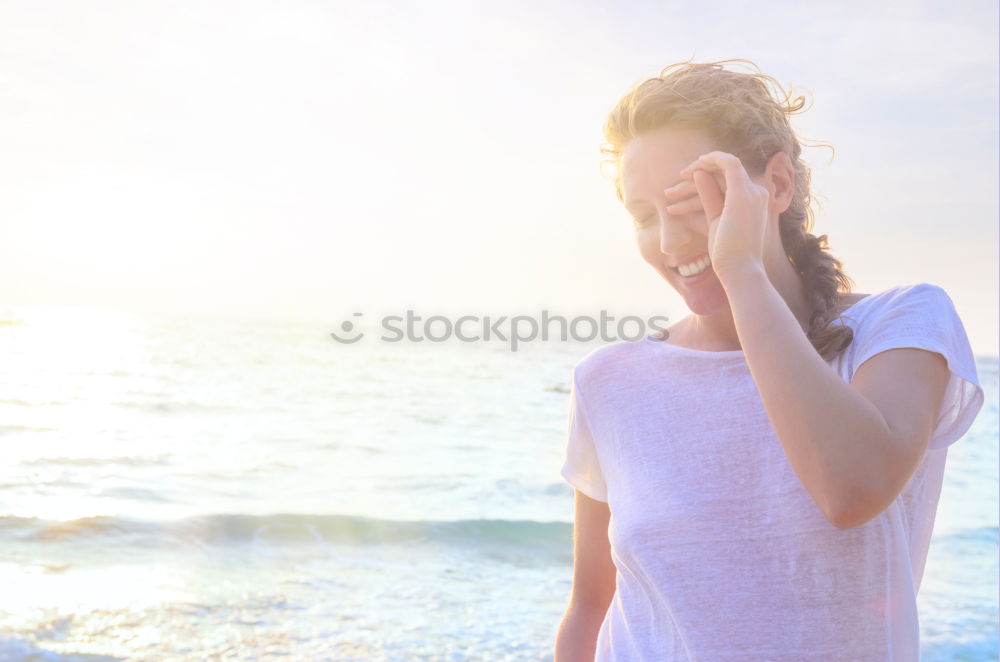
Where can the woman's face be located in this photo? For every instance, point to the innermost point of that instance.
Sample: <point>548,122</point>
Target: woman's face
<point>650,163</point>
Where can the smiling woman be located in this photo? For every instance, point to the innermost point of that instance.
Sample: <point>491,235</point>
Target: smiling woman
<point>667,122</point>
<point>762,482</point>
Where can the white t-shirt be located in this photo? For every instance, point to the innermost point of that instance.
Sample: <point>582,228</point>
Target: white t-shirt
<point>721,553</point>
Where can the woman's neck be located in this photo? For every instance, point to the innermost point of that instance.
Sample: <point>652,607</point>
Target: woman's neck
<point>717,333</point>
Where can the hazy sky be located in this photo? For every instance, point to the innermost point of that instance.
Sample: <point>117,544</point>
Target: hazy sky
<point>308,159</point>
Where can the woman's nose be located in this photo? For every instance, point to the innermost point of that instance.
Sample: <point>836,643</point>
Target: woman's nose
<point>673,234</point>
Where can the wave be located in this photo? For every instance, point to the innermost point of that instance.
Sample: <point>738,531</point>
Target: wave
<point>10,429</point>
<point>12,649</point>
<point>235,529</point>
<point>28,403</point>
<point>128,460</point>
<point>976,535</point>
<point>176,406</point>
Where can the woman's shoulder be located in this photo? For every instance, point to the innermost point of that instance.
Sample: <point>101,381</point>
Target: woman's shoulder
<point>909,308</point>
<point>913,294</point>
<point>848,300</point>
<point>619,356</point>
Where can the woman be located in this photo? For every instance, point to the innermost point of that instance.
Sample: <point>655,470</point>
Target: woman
<point>759,483</point>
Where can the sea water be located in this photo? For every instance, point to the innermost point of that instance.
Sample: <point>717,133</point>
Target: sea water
<point>194,489</point>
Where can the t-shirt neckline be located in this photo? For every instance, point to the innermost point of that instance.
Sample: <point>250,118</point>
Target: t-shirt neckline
<point>729,353</point>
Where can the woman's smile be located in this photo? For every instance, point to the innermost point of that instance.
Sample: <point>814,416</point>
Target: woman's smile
<point>691,268</point>
<point>696,278</point>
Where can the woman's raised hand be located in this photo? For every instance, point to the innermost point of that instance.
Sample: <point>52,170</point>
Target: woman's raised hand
<point>736,209</point>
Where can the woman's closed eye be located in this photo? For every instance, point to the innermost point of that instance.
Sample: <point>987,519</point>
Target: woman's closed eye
<point>693,211</point>
<point>643,222</point>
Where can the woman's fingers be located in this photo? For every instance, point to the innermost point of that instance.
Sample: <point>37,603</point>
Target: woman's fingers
<point>704,184</point>
<point>682,198</point>
<point>727,170</point>
<point>727,164</point>
<point>680,191</point>
<point>689,206</point>
<point>703,194</point>
<point>712,197</point>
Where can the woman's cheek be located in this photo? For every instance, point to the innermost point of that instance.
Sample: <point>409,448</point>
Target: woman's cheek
<point>649,244</point>
<point>653,256</point>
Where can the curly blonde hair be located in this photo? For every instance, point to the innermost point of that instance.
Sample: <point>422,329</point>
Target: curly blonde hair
<point>742,116</point>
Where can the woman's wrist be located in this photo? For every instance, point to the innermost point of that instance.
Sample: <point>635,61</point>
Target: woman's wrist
<point>745,276</point>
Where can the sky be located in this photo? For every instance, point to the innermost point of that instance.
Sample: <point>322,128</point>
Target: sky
<point>306,160</point>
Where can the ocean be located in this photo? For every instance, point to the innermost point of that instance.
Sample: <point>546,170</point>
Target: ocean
<point>180,488</point>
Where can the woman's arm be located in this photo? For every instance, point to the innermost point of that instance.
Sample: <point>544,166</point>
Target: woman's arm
<point>576,640</point>
<point>594,576</point>
<point>853,445</point>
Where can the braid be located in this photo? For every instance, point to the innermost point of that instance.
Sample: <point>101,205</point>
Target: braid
<point>823,278</point>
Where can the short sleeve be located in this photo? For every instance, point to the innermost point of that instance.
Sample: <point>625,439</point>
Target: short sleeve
<point>582,468</point>
<point>923,316</point>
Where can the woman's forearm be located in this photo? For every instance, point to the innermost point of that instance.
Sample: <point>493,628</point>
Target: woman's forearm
<point>836,440</point>
<point>576,640</point>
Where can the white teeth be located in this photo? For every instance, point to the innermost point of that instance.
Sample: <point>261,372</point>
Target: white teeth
<point>695,268</point>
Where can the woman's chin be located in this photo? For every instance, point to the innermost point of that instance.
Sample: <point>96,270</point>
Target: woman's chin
<point>705,297</point>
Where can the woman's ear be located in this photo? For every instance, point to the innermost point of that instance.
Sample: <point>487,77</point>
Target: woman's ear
<point>779,179</point>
